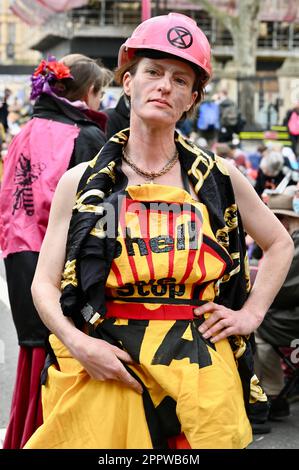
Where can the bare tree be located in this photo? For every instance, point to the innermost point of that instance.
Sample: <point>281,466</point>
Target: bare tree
<point>240,18</point>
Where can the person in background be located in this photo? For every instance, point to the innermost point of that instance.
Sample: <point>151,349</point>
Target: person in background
<point>3,124</point>
<point>281,324</point>
<point>290,157</point>
<point>231,121</point>
<point>271,170</point>
<point>207,122</point>
<point>149,304</point>
<point>225,151</point>
<point>186,127</point>
<point>291,121</point>
<point>254,158</point>
<point>118,117</point>
<point>4,109</point>
<point>240,158</point>
<point>65,129</point>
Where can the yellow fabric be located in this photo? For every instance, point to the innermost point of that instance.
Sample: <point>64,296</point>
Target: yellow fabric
<point>80,413</point>
<point>83,413</point>
<point>172,359</point>
<point>146,229</point>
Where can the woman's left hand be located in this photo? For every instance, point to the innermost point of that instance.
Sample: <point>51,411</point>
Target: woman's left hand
<point>224,322</point>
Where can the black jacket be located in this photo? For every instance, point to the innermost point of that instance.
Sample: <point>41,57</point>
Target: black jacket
<point>118,117</point>
<point>3,115</point>
<point>91,138</point>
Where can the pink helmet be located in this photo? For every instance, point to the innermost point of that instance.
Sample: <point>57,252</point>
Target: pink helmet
<point>174,34</point>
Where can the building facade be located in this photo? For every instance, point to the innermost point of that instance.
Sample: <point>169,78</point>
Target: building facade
<point>98,30</point>
<point>13,49</point>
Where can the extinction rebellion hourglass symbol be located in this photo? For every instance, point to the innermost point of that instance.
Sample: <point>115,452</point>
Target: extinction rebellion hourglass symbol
<point>180,37</point>
<point>25,175</point>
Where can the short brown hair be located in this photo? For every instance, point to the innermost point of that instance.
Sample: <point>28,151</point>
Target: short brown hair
<point>86,72</point>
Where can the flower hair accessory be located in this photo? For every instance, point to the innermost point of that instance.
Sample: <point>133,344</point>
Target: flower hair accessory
<point>47,72</point>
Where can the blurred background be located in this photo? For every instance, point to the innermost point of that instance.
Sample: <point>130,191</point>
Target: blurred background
<point>255,45</point>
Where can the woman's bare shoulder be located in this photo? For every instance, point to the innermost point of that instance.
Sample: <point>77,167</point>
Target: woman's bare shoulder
<point>66,190</point>
<point>75,173</point>
<point>70,179</point>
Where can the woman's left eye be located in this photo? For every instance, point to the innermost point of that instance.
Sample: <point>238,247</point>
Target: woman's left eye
<point>152,72</point>
<point>180,81</point>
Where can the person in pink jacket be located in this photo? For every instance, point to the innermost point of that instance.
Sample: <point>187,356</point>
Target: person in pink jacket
<point>66,129</point>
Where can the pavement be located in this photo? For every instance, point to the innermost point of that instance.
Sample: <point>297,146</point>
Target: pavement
<point>8,354</point>
<point>284,434</point>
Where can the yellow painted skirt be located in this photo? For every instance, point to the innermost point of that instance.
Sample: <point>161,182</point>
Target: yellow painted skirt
<point>207,399</point>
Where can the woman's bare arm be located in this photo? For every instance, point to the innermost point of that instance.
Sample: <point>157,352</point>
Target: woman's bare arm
<point>262,225</point>
<point>46,283</point>
<point>100,359</point>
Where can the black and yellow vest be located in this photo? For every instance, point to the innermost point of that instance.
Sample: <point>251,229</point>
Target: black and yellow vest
<point>90,251</point>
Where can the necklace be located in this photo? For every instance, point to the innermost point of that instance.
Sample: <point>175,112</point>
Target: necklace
<point>150,175</point>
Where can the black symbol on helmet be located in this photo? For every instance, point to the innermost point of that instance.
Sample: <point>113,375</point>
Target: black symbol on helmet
<point>180,37</point>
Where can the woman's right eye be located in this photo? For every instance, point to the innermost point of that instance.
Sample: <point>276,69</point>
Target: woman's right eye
<point>152,72</point>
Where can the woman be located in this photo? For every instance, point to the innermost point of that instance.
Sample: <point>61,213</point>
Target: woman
<point>66,129</point>
<point>154,280</point>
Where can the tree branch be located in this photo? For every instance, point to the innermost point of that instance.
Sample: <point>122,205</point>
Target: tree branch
<point>222,16</point>
<point>249,8</point>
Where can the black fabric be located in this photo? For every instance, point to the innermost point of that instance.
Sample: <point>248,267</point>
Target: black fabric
<point>3,115</point>
<point>20,268</point>
<point>185,180</point>
<point>91,137</point>
<point>49,361</point>
<point>118,117</point>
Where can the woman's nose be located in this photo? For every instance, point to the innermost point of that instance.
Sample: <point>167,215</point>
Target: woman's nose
<point>165,84</point>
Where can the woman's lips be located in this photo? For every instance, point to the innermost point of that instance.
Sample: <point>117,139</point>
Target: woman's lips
<point>161,102</point>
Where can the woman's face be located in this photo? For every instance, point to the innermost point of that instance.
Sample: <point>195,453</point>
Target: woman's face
<point>93,99</point>
<point>160,90</point>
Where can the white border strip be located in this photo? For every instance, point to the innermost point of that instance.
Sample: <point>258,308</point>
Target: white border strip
<point>2,436</point>
<point>4,292</point>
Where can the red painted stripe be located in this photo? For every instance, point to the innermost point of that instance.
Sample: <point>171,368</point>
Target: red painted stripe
<point>117,273</point>
<point>140,312</point>
<point>149,257</point>
<point>207,249</point>
<point>191,255</point>
<point>171,221</point>
<point>122,222</point>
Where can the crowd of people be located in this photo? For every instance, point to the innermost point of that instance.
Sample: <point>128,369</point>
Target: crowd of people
<point>143,315</point>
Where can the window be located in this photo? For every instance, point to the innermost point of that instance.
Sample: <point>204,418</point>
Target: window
<point>11,37</point>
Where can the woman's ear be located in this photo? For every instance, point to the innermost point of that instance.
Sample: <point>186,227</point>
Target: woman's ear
<point>89,96</point>
<point>127,80</point>
<point>193,98</point>
<point>90,91</point>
